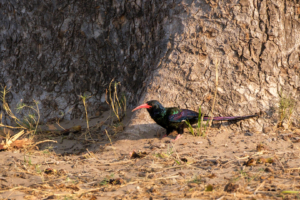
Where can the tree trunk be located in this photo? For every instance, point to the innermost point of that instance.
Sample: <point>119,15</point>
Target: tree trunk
<point>54,51</point>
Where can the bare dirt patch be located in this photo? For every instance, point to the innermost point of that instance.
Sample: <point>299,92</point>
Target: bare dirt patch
<point>225,165</point>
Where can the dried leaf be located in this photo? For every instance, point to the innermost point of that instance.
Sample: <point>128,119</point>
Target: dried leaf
<point>117,181</point>
<point>250,162</point>
<point>13,138</point>
<point>138,154</point>
<point>21,143</point>
<point>270,160</point>
<point>261,160</point>
<point>50,171</point>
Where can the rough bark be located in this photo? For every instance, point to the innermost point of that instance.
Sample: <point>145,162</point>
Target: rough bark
<point>54,51</point>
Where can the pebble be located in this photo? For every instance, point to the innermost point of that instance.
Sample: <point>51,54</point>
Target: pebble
<point>248,134</point>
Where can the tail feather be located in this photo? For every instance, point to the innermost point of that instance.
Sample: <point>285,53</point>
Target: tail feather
<point>229,118</point>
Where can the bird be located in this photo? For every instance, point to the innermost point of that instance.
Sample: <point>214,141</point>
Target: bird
<point>173,118</point>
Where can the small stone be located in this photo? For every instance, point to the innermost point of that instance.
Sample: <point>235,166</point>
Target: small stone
<point>248,134</point>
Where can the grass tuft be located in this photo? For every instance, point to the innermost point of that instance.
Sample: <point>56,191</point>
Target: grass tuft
<point>84,98</point>
<point>116,102</point>
<point>201,128</point>
<point>286,108</point>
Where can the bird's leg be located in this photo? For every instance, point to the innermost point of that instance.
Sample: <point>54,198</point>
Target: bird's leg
<point>131,153</point>
<point>168,132</point>
<point>177,137</point>
<point>180,132</point>
<point>157,132</point>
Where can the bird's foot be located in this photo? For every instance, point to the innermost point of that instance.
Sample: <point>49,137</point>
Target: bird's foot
<point>131,153</point>
<point>177,137</point>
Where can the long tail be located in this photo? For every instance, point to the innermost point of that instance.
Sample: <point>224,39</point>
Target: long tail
<point>230,118</point>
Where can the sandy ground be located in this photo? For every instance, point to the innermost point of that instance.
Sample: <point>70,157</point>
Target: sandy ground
<point>224,165</point>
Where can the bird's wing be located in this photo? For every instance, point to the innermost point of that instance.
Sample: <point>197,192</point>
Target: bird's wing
<point>179,115</point>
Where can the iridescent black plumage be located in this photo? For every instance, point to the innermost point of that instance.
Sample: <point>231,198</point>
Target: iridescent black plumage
<point>174,118</point>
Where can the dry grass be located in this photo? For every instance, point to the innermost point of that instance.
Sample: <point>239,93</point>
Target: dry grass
<point>286,107</point>
<point>28,125</point>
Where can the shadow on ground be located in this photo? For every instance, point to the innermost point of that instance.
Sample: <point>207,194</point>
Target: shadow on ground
<point>77,144</point>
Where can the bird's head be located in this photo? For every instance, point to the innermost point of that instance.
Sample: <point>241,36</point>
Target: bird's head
<point>150,105</point>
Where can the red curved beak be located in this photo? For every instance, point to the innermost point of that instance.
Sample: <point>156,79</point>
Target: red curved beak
<point>142,106</point>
